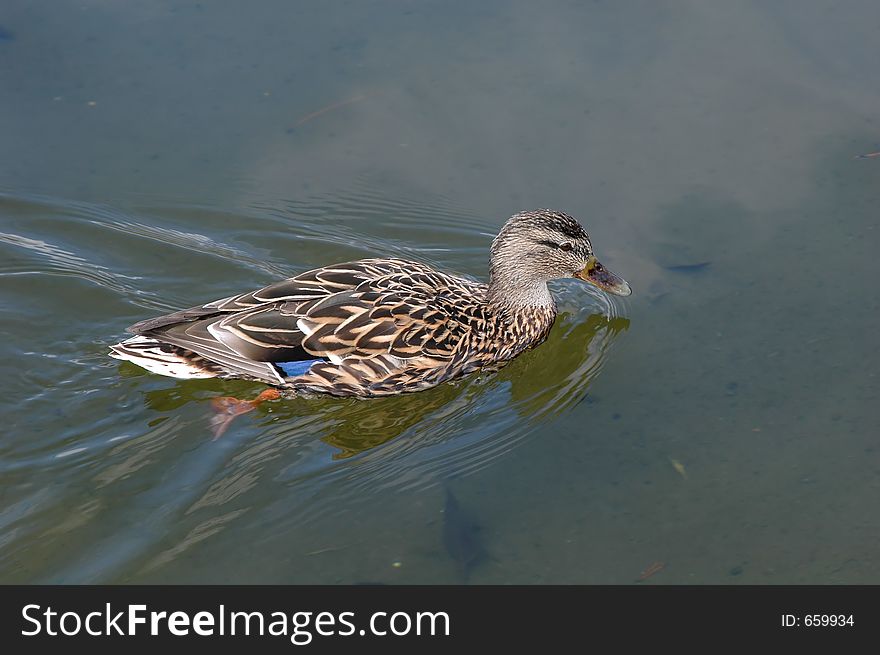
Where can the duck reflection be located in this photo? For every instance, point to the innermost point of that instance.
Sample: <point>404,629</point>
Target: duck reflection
<point>540,382</point>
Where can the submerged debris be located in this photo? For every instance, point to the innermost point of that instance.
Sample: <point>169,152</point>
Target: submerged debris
<point>324,110</point>
<point>689,268</point>
<point>653,568</point>
<point>321,551</point>
<point>679,468</point>
<point>461,538</point>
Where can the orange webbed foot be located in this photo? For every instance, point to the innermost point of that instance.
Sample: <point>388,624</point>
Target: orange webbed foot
<point>226,408</point>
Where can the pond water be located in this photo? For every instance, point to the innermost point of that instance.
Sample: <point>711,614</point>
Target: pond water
<point>718,426</point>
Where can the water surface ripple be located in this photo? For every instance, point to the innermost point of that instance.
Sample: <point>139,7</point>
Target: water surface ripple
<point>110,473</point>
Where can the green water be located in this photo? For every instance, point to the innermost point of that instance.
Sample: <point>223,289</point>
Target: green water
<point>722,421</point>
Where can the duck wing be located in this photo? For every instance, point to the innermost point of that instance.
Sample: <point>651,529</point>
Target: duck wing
<point>388,308</point>
<point>405,315</point>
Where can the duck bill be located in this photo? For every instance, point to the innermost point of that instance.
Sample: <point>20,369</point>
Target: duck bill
<point>599,276</point>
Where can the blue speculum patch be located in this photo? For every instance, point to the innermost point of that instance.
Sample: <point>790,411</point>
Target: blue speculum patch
<point>292,369</point>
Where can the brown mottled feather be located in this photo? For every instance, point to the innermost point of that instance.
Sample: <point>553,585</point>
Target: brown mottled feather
<point>383,326</point>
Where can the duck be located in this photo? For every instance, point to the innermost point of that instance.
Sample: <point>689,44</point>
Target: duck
<point>379,326</point>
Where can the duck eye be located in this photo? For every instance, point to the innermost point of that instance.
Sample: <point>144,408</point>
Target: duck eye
<point>566,246</point>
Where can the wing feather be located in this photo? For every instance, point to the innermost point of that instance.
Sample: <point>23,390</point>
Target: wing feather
<point>369,318</point>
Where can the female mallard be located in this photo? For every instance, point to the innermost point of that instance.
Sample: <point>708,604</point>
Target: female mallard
<point>377,327</point>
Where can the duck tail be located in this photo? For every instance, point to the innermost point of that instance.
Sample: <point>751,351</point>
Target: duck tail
<point>164,358</point>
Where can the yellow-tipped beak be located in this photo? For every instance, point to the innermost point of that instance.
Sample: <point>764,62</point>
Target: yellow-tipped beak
<point>601,277</point>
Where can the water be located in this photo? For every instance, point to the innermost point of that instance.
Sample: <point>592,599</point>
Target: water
<point>721,421</point>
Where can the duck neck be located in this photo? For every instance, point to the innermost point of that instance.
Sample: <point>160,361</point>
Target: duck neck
<point>510,293</point>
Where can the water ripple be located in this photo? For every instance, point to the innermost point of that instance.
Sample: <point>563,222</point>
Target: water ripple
<point>110,473</point>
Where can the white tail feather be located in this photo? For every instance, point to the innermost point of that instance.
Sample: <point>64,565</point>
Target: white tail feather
<point>148,354</point>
